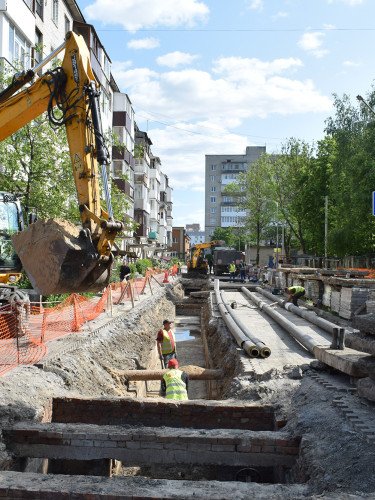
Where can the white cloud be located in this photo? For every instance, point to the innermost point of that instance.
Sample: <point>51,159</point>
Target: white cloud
<point>312,42</point>
<point>280,15</point>
<point>256,4</point>
<point>205,108</point>
<point>136,14</point>
<point>174,59</point>
<point>143,43</point>
<point>351,64</point>
<point>351,3</point>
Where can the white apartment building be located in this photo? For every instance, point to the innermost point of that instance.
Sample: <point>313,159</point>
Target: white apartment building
<point>29,31</point>
<point>222,210</point>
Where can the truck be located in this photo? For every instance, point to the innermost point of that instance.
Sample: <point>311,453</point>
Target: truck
<point>58,256</point>
<point>222,257</point>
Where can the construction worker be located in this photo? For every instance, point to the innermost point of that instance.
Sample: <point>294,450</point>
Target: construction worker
<point>232,271</point>
<point>166,343</point>
<point>294,293</point>
<point>242,268</point>
<point>174,384</point>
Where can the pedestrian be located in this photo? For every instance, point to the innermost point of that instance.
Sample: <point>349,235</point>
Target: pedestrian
<point>166,343</point>
<point>178,267</point>
<point>242,269</point>
<point>174,384</point>
<point>294,293</point>
<point>232,271</point>
<point>125,271</point>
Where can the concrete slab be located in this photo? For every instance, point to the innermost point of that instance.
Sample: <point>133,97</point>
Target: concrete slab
<point>136,446</point>
<point>17,485</point>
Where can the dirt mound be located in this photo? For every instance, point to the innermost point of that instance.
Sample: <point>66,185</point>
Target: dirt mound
<point>59,257</point>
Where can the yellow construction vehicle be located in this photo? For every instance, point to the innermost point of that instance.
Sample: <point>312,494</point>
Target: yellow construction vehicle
<point>197,263</point>
<point>11,221</point>
<point>57,256</point>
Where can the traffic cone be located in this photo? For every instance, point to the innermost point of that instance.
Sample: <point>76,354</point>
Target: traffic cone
<point>165,280</point>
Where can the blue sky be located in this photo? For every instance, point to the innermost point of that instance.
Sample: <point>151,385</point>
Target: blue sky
<point>213,76</point>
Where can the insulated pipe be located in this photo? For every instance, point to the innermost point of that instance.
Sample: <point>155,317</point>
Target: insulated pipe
<point>308,342</point>
<point>194,372</point>
<point>264,351</point>
<point>242,340</point>
<point>310,316</point>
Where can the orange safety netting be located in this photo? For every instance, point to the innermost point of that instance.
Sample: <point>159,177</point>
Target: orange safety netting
<point>25,329</point>
<point>18,343</point>
<point>370,273</point>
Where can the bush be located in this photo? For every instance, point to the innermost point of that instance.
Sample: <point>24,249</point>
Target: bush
<point>142,265</point>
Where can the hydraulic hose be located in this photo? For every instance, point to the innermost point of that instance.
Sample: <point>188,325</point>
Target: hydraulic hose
<point>242,340</point>
<point>264,350</point>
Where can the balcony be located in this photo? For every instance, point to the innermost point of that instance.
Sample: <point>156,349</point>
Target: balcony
<point>142,205</point>
<point>141,167</point>
<point>141,179</point>
<point>125,187</point>
<point>155,174</point>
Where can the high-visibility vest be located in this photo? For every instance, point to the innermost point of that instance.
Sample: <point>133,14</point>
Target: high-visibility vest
<point>169,343</point>
<point>232,268</point>
<point>175,386</point>
<point>296,289</point>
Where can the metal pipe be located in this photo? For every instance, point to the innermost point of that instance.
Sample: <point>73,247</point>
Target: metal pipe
<point>194,372</point>
<point>309,315</point>
<point>242,340</point>
<point>308,342</point>
<point>264,350</point>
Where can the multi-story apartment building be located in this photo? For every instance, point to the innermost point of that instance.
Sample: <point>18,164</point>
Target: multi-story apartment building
<point>29,31</point>
<point>123,162</point>
<point>142,183</point>
<point>180,243</point>
<point>222,210</point>
<point>166,204</point>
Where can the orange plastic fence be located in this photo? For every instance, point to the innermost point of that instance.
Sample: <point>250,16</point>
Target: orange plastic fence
<point>26,330</point>
<point>18,344</point>
<point>370,273</point>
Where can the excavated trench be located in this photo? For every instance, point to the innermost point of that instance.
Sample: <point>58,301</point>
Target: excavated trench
<point>90,365</point>
<point>202,341</point>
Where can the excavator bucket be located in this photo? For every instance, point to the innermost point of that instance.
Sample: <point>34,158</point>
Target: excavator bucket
<point>59,257</point>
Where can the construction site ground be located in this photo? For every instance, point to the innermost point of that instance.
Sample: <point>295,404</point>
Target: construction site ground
<point>310,401</point>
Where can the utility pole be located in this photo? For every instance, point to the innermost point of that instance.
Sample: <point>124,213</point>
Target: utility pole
<point>326,231</point>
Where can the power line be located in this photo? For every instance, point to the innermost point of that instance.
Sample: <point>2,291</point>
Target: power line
<point>192,132</point>
<point>230,30</point>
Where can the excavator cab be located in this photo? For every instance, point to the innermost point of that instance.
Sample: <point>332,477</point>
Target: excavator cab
<point>58,256</point>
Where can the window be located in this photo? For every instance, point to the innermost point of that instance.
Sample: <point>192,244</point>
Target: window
<point>212,178</point>
<point>55,11</point>
<point>213,189</point>
<point>213,199</point>
<point>213,167</point>
<point>39,8</point>
<point>19,48</point>
<point>213,210</point>
<point>38,49</point>
<point>67,24</point>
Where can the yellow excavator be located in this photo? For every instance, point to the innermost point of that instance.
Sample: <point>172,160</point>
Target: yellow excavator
<point>57,256</point>
<point>197,264</point>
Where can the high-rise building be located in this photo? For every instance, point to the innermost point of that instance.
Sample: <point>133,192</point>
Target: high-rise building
<point>221,210</point>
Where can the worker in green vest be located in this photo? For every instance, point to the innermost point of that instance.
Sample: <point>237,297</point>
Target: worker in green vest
<point>174,384</point>
<point>232,271</point>
<point>294,293</point>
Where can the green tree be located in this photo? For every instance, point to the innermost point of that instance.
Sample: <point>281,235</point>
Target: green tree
<point>254,191</point>
<point>225,234</point>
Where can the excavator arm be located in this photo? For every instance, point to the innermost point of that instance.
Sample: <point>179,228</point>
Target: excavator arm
<point>69,94</point>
